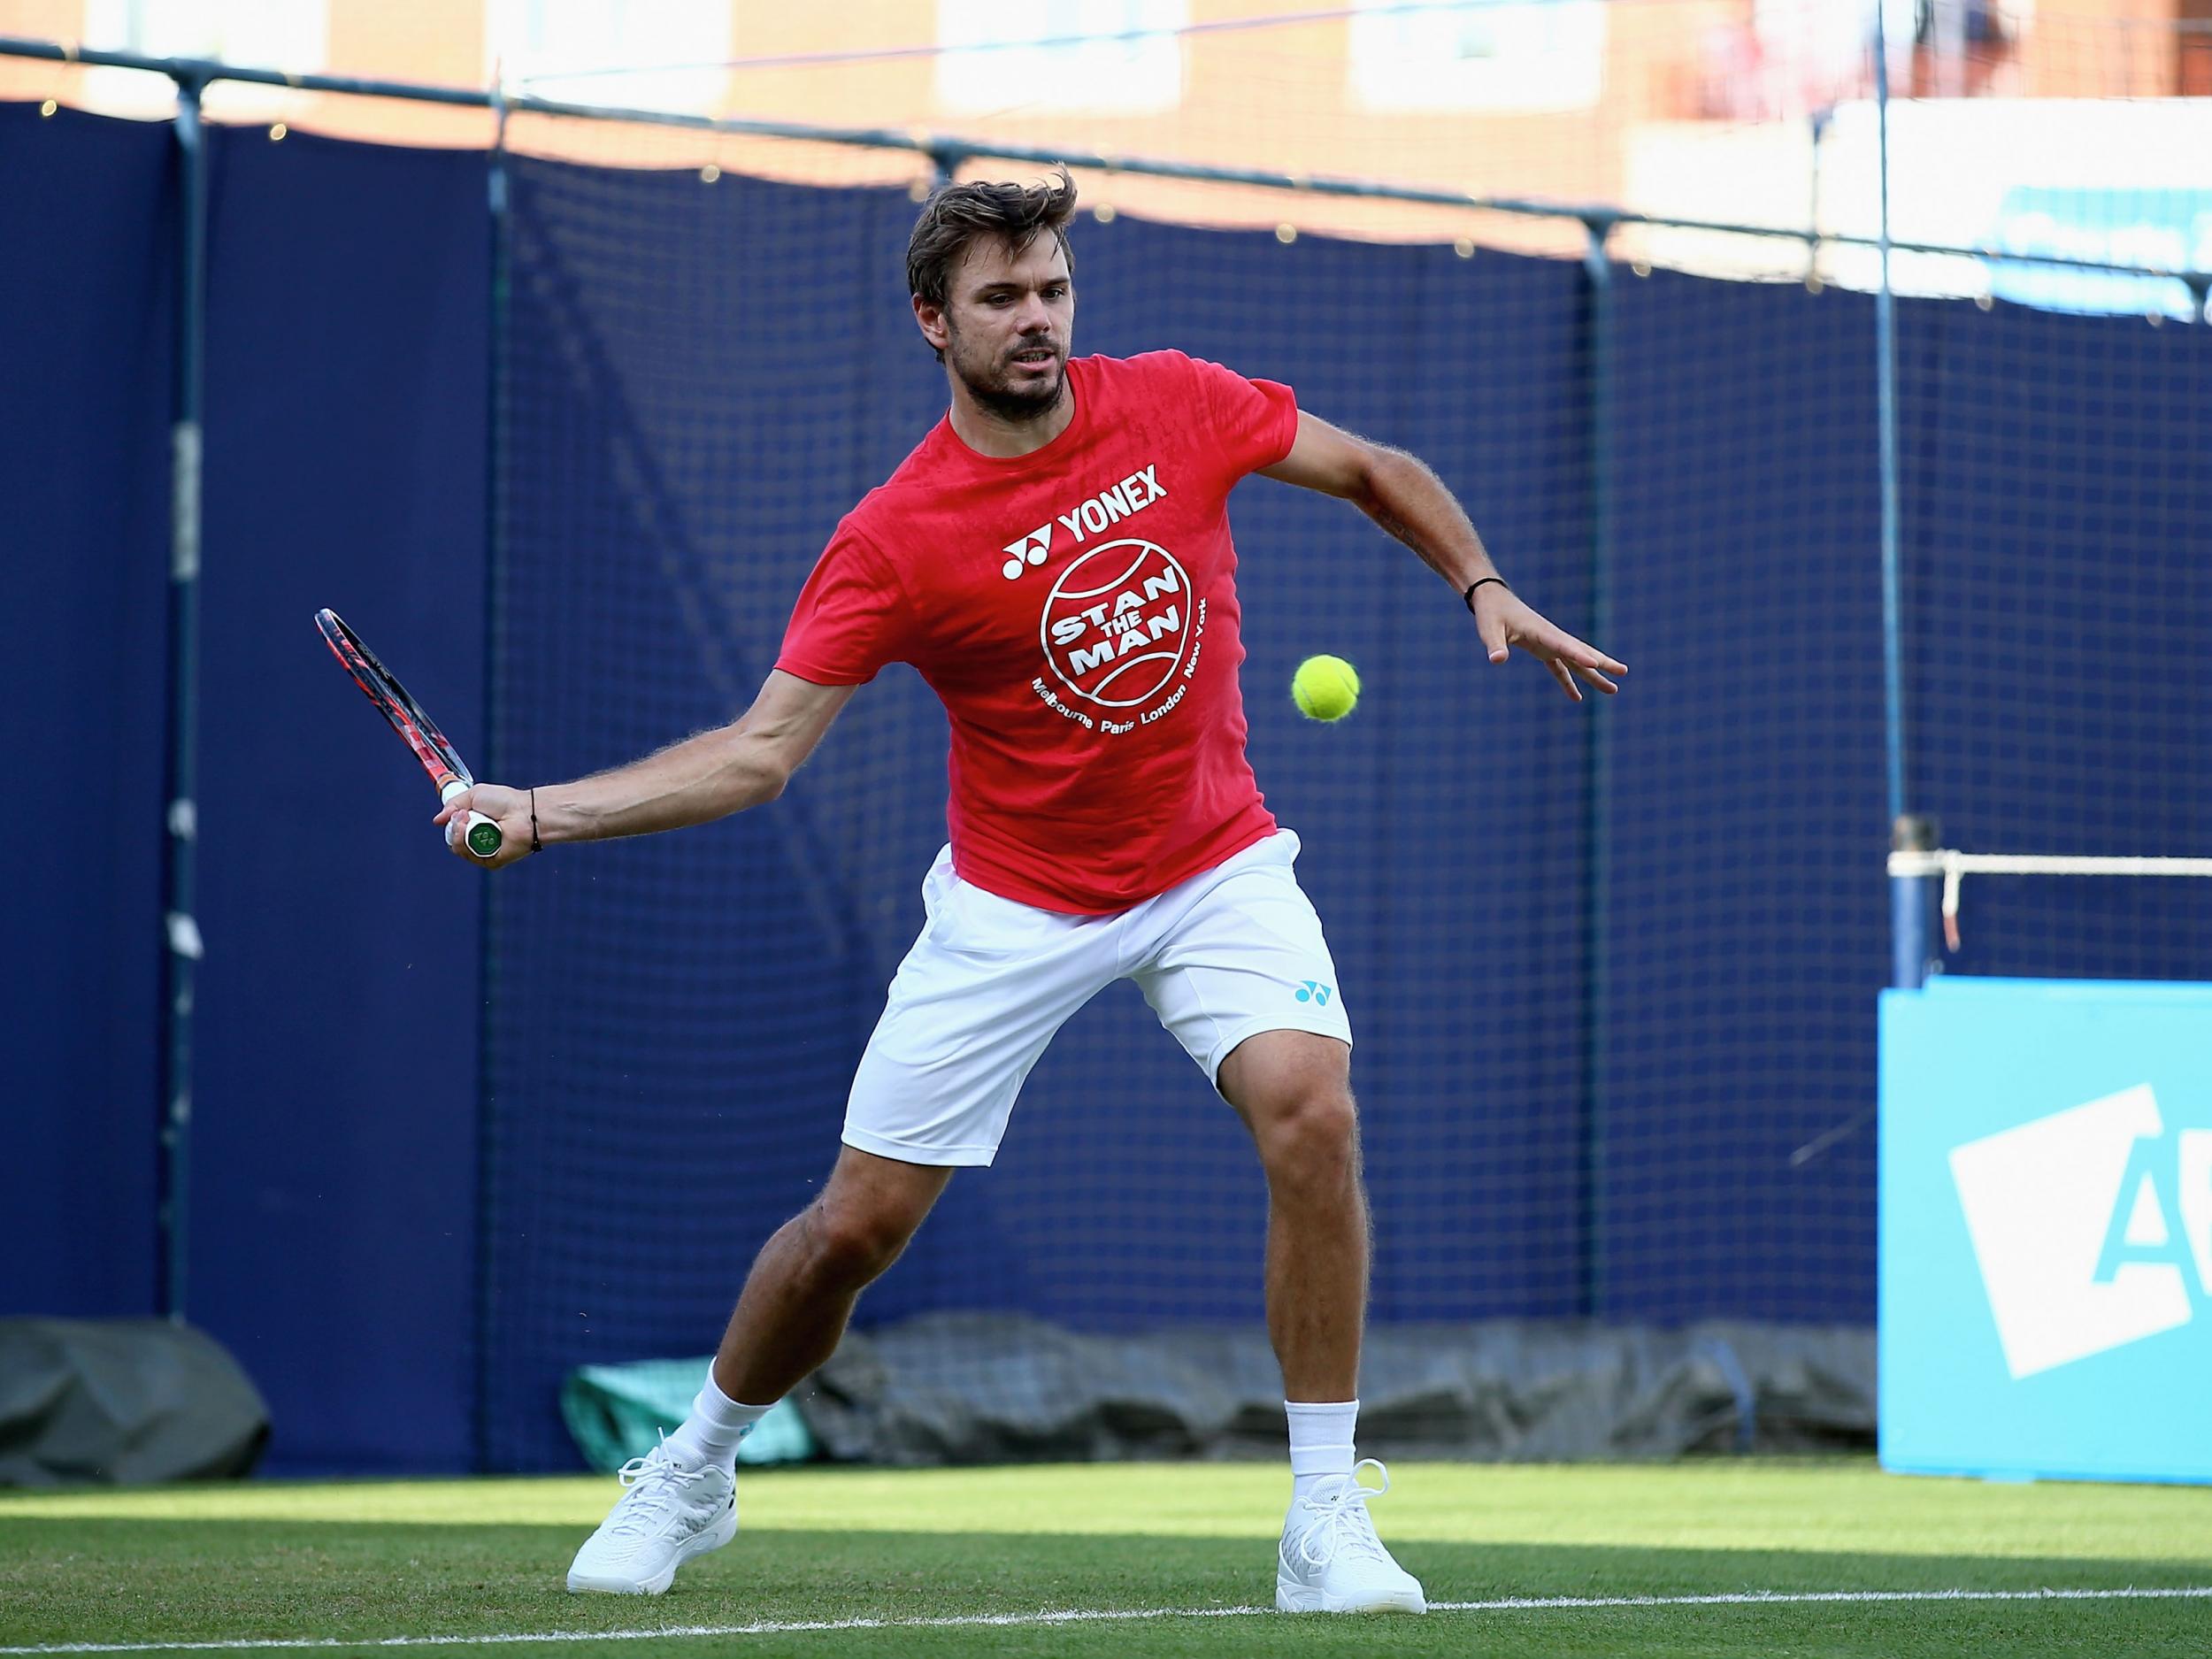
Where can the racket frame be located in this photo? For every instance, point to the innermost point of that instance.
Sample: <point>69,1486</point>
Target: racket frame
<point>448,772</point>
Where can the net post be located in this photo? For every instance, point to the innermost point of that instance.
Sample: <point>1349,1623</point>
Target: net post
<point>1912,899</point>
<point>180,928</point>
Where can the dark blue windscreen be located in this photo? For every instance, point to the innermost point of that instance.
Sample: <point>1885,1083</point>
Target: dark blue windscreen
<point>85,306</point>
<point>1747,923</point>
<point>335,1137</point>
<point>2059,505</point>
<point>674,1018</point>
<point>1611,968</point>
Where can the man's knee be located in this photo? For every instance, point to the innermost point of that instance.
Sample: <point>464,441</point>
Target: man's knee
<point>851,1243</point>
<point>859,1225</point>
<point>1308,1139</point>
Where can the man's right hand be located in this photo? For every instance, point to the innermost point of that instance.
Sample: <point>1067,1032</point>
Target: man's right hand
<point>510,809</point>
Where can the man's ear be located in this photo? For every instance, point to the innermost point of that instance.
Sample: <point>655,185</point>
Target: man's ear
<point>931,319</point>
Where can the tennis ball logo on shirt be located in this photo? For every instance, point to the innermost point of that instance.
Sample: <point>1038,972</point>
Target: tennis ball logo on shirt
<point>1117,623</point>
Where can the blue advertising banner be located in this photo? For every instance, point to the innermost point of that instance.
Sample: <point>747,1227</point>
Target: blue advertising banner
<point>2160,230</point>
<point>2045,1229</point>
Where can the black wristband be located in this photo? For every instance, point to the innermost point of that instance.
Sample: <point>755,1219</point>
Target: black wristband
<point>535,845</point>
<point>1470,595</point>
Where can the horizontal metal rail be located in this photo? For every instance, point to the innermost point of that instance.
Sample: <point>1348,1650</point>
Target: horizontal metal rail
<point>946,151</point>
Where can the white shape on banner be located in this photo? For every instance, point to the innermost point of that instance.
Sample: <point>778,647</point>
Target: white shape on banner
<point>2041,1201</point>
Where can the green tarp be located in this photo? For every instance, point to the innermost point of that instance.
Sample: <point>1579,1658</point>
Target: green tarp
<point>617,1412</point>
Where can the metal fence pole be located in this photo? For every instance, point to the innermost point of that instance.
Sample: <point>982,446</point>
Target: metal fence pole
<point>1597,945</point>
<point>1907,895</point>
<point>183,949</point>
<point>1886,420</point>
<point>499,198</point>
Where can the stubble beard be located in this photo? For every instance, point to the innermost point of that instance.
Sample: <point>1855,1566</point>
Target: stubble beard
<point>1015,405</point>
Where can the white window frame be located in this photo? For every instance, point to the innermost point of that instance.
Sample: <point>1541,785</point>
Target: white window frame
<point>291,35</point>
<point>1505,56</point>
<point>288,35</point>
<point>664,55</point>
<point>990,61</point>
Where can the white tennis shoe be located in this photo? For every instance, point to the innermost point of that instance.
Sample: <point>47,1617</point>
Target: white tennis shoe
<point>1331,1561</point>
<point>668,1515</point>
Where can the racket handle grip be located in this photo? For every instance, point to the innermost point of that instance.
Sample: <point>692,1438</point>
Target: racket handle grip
<point>480,834</point>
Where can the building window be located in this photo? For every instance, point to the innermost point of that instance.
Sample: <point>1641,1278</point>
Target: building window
<point>291,35</point>
<point>1125,58</point>
<point>627,54</point>
<point>1521,55</point>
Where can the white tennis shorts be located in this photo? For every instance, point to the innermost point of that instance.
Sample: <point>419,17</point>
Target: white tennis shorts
<point>1234,950</point>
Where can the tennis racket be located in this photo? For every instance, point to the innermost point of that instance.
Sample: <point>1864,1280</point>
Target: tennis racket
<point>438,756</point>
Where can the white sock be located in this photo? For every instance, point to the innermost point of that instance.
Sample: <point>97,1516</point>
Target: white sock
<point>1320,1443</point>
<point>717,1422</point>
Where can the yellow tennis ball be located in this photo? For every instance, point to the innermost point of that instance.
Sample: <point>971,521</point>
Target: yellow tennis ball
<point>1325,688</point>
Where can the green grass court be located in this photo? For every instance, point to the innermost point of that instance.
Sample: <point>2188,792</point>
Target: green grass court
<point>1136,1560</point>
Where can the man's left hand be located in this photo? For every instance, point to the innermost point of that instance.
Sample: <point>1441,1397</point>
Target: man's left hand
<point>1504,621</point>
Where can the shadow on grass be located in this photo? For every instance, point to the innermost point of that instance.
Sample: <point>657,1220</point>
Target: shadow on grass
<point>168,1581</point>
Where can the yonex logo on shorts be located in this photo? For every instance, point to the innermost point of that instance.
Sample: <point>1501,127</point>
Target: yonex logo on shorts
<point>1313,991</point>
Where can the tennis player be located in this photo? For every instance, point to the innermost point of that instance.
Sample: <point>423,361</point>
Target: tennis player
<point>1055,560</point>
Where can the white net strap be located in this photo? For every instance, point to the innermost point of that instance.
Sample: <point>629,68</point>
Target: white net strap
<point>1955,866</point>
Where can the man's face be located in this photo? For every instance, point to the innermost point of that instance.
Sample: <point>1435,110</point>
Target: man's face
<point>1006,325</point>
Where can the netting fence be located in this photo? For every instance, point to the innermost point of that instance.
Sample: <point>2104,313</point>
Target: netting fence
<point>1611,968</point>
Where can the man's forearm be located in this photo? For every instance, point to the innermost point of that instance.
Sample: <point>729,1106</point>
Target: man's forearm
<point>695,782</point>
<point>1410,502</point>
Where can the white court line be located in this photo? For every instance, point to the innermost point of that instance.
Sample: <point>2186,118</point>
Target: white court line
<point>1086,1615</point>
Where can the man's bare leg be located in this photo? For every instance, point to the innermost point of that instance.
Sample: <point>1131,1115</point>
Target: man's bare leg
<point>806,1278</point>
<point>1294,1090</point>
<point>680,1501</point>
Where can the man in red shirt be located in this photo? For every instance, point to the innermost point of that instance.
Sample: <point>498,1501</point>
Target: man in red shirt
<point>1055,560</point>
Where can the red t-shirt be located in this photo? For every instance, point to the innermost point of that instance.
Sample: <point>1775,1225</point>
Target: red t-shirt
<point>1076,610</point>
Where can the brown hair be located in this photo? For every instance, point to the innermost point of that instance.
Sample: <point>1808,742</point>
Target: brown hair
<point>958,214</point>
